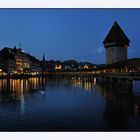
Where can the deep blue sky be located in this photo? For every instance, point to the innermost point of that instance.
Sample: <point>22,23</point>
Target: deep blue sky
<point>64,34</point>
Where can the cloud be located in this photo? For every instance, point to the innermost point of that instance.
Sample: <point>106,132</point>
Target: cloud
<point>98,50</point>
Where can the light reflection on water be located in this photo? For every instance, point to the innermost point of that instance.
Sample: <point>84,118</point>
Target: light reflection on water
<point>41,104</point>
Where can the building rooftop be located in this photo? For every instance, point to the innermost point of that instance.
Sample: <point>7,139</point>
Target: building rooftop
<point>116,34</point>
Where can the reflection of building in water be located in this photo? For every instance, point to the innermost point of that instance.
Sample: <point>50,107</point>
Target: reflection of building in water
<point>43,82</point>
<point>21,86</point>
<point>94,81</point>
<point>17,88</point>
<point>34,83</point>
<point>85,85</point>
<point>2,84</point>
<point>120,104</point>
<point>14,90</point>
<point>136,105</point>
<point>77,83</point>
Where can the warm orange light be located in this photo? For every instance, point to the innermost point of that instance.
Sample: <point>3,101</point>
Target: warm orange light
<point>58,67</point>
<point>126,46</point>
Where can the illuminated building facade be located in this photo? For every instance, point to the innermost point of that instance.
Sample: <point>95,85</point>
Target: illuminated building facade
<point>86,66</point>
<point>10,65</point>
<point>116,44</point>
<point>7,61</point>
<point>22,62</point>
<point>13,60</point>
<point>58,67</point>
<point>35,67</point>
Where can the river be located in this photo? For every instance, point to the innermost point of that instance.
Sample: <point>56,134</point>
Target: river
<point>41,104</point>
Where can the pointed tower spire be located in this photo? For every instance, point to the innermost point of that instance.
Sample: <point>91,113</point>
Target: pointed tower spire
<point>43,57</point>
<point>116,35</point>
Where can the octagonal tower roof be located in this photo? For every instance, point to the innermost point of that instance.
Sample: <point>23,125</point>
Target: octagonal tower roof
<point>116,36</point>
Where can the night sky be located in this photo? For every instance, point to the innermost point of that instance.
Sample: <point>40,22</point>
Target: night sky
<point>63,34</point>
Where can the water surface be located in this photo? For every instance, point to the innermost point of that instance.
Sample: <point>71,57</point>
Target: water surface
<point>41,104</point>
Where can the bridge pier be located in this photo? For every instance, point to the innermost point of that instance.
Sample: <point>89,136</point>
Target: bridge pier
<point>114,82</point>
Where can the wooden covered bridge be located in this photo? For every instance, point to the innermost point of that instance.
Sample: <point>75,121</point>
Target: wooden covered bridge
<point>121,71</point>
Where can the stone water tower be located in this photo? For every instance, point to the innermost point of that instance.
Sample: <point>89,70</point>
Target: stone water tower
<point>116,44</point>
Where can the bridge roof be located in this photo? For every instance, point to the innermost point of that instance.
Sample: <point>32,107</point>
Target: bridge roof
<point>134,62</point>
<point>116,34</point>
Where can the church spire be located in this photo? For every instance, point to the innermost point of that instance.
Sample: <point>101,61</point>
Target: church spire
<point>43,57</point>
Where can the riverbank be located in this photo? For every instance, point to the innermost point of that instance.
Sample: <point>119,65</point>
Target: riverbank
<point>20,76</point>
